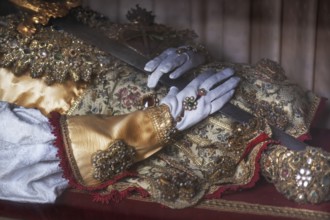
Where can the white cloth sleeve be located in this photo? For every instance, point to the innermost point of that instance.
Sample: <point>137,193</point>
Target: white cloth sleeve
<point>29,167</point>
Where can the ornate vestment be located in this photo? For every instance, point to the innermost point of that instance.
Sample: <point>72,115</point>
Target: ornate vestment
<point>54,71</point>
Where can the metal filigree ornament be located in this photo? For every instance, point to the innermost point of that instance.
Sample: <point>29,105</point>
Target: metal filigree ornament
<point>177,185</point>
<point>272,111</point>
<point>302,176</point>
<point>140,15</point>
<point>242,135</point>
<point>147,100</point>
<point>185,49</point>
<point>190,103</point>
<point>40,12</point>
<point>114,160</point>
<point>51,54</point>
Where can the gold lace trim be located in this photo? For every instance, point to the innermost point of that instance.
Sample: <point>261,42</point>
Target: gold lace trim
<point>163,123</point>
<point>68,150</point>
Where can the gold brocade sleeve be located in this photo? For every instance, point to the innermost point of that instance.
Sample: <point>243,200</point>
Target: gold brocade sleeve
<point>94,141</point>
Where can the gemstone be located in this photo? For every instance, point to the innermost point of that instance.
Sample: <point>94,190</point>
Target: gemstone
<point>148,101</point>
<point>201,92</point>
<point>309,160</point>
<point>58,56</point>
<point>313,196</point>
<point>72,53</point>
<point>305,183</point>
<point>43,54</point>
<point>301,196</point>
<point>13,44</point>
<point>326,180</point>
<point>27,51</point>
<point>285,173</point>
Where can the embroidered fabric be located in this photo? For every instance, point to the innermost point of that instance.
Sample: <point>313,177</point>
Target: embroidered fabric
<point>205,160</point>
<point>200,162</point>
<point>302,176</point>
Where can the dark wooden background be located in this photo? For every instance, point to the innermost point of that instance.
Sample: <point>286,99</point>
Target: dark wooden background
<point>295,33</point>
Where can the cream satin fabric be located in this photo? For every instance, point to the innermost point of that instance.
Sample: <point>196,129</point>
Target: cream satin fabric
<point>34,93</point>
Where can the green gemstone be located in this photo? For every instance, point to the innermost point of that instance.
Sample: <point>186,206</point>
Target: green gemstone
<point>58,56</point>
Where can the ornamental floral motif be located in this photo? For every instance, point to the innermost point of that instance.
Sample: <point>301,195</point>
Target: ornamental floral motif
<point>196,157</point>
<point>128,96</point>
<point>51,54</point>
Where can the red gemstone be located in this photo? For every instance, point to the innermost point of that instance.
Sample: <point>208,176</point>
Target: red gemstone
<point>148,101</point>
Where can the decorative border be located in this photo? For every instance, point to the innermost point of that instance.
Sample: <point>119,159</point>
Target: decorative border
<point>258,209</point>
<point>222,205</point>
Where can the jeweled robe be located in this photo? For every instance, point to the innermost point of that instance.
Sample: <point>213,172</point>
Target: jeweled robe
<point>215,156</point>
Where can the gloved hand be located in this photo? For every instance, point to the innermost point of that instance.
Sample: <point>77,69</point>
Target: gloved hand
<point>173,61</point>
<point>201,97</point>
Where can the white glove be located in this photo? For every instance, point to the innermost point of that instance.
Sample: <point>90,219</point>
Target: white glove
<point>204,99</point>
<point>173,61</point>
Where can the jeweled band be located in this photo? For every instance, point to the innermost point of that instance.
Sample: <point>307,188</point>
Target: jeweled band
<point>163,123</point>
<point>302,176</point>
<point>117,158</point>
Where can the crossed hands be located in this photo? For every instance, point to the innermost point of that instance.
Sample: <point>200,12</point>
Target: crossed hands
<point>203,96</point>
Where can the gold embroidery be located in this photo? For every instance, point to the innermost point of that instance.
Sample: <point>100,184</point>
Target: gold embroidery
<point>199,140</point>
<point>76,103</point>
<point>184,146</point>
<point>53,55</point>
<point>244,207</point>
<point>270,71</point>
<point>251,208</point>
<point>217,122</point>
<point>303,176</point>
<point>117,158</point>
<point>41,11</point>
<point>163,123</point>
<point>176,183</point>
<point>68,150</point>
<point>272,112</point>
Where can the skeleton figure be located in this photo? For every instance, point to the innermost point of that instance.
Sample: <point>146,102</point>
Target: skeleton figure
<point>118,129</point>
